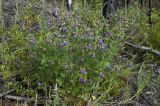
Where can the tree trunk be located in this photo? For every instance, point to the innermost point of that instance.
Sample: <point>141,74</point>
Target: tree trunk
<point>69,5</point>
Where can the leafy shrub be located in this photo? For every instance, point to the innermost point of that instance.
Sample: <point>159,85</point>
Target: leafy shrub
<point>75,57</point>
<point>74,54</point>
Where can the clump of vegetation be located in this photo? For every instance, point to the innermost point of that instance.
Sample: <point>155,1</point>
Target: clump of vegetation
<point>73,57</point>
<point>154,33</point>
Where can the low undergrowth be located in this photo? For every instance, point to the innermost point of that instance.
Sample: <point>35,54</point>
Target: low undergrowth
<point>70,58</point>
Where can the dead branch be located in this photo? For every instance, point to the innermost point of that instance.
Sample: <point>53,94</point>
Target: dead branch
<point>143,48</point>
<point>16,98</point>
<point>6,93</point>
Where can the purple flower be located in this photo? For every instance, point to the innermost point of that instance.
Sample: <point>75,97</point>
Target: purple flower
<point>39,27</point>
<point>54,35</point>
<point>58,19</point>
<point>100,42</point>
<point>64,36</point>
<point>32,40</point>
<point>75,35</point>
<point>103,48</point>
<point>82,80</point>
<point>64,30</point>
<point>63,44</point>
<point>83,71</point>
<point>36,27</point>
<point>48,24</point>
<point>101,75</point>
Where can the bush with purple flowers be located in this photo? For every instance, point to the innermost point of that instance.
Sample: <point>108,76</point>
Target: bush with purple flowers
<point>75,57</point>
<point>74,53</point>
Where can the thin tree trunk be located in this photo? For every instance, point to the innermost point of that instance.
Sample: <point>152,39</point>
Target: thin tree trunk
<point>150,13</point>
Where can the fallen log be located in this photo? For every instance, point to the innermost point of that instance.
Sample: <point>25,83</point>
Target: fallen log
<point>147,49</point>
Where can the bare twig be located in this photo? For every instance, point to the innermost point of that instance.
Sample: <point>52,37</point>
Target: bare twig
<point>143,48</point>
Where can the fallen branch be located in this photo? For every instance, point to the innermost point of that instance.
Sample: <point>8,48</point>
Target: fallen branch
<point>16,98</point>
<point>6,93</point>
<point>143,48</point>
